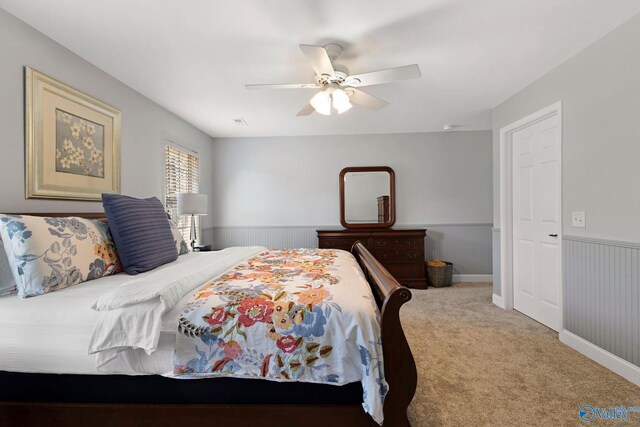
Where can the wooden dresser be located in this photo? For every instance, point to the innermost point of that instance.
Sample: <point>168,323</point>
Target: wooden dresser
<point>400,251</point>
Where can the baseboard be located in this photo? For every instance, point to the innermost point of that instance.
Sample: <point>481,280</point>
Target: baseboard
<point>497,300</point>
<point>601,356</point>
<point>472,278</point>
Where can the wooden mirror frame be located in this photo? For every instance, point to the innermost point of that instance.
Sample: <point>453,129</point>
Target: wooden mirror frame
<point>392,196</point>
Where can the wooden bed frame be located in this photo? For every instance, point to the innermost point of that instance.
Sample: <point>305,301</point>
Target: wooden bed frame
<point>399,368</point>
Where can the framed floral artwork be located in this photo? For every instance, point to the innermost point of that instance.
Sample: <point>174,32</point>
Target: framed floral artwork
<point>72,142</point>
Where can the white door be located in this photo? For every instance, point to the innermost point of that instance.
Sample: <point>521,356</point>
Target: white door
<point>537,225</point>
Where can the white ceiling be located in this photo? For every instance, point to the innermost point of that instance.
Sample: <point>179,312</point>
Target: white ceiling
<point>194,57</point>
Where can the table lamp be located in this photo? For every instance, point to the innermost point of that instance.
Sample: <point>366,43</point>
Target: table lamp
<point>192,204</point>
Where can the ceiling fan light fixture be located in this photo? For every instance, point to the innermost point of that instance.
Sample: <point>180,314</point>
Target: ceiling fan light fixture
<point>321,102</point>
<point>341,101</point>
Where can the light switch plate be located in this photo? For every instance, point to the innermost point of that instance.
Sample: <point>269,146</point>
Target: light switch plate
<point>578,219</point>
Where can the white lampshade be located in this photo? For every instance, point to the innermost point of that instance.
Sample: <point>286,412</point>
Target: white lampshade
<point>341,101</point>
<point>321,102</point>
<point>192,204</point>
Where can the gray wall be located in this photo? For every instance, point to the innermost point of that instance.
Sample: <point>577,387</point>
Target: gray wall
<point>143,122</point>
<point>288,182</point>
<point>440,177</point>
<point>600,93</point>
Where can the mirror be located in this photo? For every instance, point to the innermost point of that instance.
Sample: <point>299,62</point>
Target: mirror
<point>367,198</point>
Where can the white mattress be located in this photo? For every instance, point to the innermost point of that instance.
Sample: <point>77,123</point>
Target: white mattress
<point>50,333</point>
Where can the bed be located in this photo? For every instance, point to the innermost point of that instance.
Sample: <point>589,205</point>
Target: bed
<point>59,383</point>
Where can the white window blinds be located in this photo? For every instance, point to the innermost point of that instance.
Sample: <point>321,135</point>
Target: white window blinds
<point>182,171</point>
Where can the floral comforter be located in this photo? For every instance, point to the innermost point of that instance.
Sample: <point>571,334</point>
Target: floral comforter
<point>286,315</point>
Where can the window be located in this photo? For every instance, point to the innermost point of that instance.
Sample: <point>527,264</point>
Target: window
<point>182,172</point>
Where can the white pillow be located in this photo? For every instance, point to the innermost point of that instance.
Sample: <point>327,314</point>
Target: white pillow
<point>48,254</point>
<point>7,284</point>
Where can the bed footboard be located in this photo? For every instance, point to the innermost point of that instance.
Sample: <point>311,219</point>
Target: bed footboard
<point>399,366</point>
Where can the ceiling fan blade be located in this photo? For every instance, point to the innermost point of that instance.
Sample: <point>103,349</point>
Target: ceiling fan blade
<point>285,86</point>
<point>365,100</point>
<point>384,76</point>
<point>306,110</point>
<point>319,59</point>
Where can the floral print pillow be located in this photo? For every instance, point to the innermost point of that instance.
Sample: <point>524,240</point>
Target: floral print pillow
<point>49,254</point>
<point>181,245</point>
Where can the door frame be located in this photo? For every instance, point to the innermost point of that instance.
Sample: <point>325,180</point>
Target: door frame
<point>506,203</point>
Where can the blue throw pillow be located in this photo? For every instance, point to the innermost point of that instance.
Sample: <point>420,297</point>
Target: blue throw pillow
<point>141,232</point>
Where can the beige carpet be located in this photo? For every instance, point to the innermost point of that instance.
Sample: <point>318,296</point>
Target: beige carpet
<point>479,365</point>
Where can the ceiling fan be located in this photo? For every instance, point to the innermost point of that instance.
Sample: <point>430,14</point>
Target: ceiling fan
<point>337,87</point>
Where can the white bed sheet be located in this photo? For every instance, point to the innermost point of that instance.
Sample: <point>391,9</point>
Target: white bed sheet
<point>50,333</point>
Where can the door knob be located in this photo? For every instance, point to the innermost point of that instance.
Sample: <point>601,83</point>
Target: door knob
<point>553,235</point>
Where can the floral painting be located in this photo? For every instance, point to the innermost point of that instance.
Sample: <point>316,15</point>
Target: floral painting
<point>79,145</point>
<point>72,142</point>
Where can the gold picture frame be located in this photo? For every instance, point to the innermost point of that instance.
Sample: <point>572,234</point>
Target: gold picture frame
<point>72,142</point>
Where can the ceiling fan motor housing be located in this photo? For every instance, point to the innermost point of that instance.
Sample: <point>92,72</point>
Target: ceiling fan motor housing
<point>341,73</point>
<point>326,79</point>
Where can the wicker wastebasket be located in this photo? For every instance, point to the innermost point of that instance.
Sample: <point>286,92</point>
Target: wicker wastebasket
<point>439,276</point>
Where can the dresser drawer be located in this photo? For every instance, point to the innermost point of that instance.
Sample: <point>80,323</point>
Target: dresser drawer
<point>338,243</point>
<point>397,255</point>
<point>404,271</point>
<point>401,251</point>
<point>397,242</point>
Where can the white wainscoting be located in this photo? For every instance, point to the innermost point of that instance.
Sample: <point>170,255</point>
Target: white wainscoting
<point>602,294</point>
<point>497,290</point>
